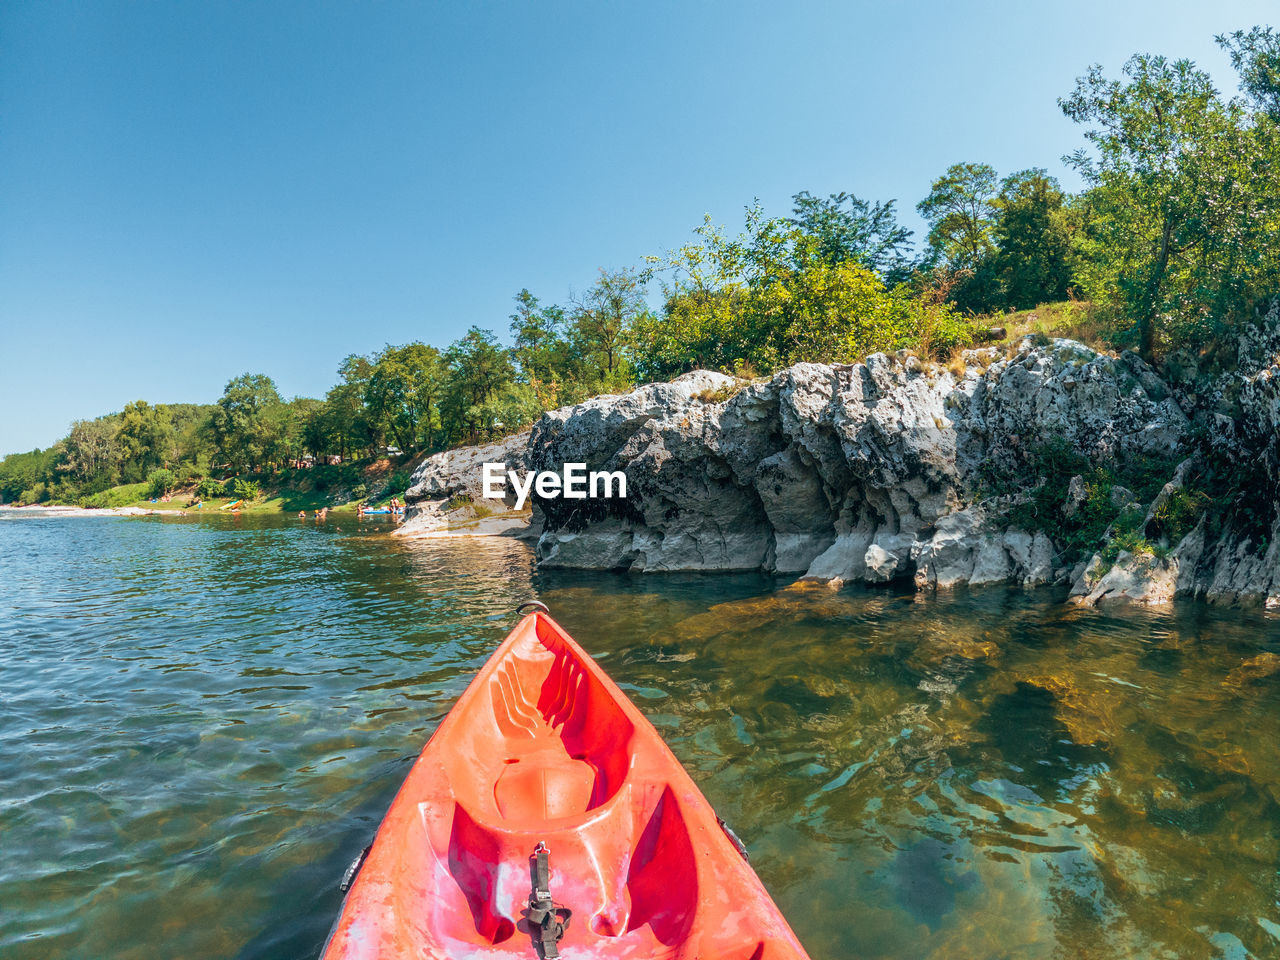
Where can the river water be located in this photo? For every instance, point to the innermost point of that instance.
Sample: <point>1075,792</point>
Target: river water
<point>204,719</point>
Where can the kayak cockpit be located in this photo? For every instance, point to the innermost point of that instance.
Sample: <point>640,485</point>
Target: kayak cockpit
<point>549,741</point>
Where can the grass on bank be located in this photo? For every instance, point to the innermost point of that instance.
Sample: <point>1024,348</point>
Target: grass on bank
<point>1072,319</point>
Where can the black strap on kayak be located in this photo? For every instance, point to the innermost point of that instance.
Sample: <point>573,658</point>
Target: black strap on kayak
<point>548,920</point>
<point>532,605</point>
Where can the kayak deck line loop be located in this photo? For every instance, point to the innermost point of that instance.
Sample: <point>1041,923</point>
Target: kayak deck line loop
<point>544,752</point>
<point>548,920</point>
<point>532,605</point>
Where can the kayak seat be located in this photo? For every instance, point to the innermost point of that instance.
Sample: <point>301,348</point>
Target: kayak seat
<point>544,784</point>
<point>565,740</point>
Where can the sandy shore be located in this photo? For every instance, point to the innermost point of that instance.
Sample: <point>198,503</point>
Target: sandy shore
<point>38,510</point>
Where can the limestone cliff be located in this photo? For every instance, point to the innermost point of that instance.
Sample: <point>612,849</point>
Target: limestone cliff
<point>884,470</point>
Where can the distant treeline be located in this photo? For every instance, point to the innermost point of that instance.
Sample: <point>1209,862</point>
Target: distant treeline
<point>1171,244</point>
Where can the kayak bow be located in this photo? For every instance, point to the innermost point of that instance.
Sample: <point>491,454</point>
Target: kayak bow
<point>544,795</point>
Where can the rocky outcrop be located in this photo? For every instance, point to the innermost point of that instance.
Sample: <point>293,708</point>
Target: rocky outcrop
<point>447,487</point>
<point>1231,553</point>
<point>457,473</point>
<point>868,471</point>
<point>897,469</point>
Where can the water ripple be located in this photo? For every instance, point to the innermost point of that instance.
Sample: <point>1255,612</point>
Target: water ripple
<point>205,719</point>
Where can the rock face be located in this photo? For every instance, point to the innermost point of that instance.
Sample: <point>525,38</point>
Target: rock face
<point>883,471</point>
<point>446,486</point>
<point>1239,558</point>
<point>457,473</point>
<point>1244,560</point>
<point>859,472</point>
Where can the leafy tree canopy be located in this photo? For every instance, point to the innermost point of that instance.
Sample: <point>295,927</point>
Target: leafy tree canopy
<point>846,228</point>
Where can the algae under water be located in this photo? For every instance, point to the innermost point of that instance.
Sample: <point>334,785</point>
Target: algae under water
<point>204,720</point>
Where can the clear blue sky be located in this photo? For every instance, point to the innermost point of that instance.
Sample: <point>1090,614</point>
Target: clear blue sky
<point>190,191</point>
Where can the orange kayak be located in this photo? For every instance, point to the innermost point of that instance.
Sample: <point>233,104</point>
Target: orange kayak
<point>546,818</point>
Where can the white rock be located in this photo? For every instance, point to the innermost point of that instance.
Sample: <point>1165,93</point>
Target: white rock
<point>862,471</point>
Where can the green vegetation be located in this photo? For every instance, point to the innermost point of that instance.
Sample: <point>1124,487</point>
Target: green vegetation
<point>125,495</point>
<point>1175,516</point>
<point>776,295</point>
<point>1183,198</point>
<point>208,489</point>
<point>457,501</point>
<point>1101,511</point>
<point>1168,248</point>
<point>160,482</point>
<point>246,489</point>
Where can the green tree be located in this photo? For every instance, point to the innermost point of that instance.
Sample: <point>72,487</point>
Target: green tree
<point>348,422</point>
<point>1183,194</point>
<point>145,438</point>
<point>244,489</point>
<point>247,422</point>
<point>190,440</point>
<point>542,352</point>
<point>960,210</point>
<point>698,329</point>
<point>298,416</point>
<point>316,433</point>
<point>403,394</point>
<point>1032,234</point>
<point>24,476</point>
<point>772,297</point>
<point>477,369</point>
<point>849,229</point>
<point>1256,56</point>
<point>159,482</point>
<point>599,321</point>
<point>92,449</point>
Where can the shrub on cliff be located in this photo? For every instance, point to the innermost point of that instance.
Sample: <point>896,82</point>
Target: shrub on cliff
<point>773,297</point>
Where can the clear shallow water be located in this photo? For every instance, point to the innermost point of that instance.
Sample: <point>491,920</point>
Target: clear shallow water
<point>204,720</point>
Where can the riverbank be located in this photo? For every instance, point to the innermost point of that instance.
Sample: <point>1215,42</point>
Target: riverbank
<point>333,487</point>
<point>160,508</point>
<point>1043,461</point>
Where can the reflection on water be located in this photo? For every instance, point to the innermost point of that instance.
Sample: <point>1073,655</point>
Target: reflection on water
<point>204,720</point>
